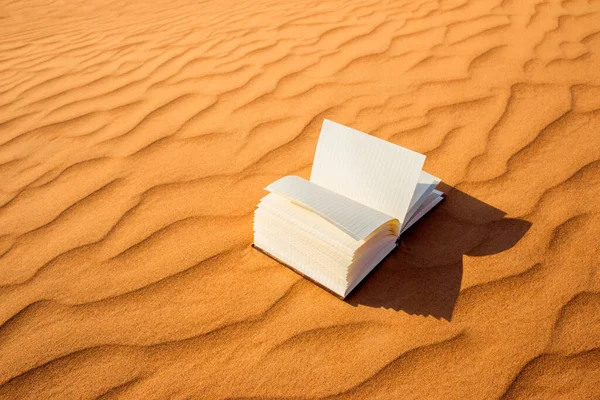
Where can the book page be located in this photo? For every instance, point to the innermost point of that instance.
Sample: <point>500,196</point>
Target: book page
<point>431,201</point>
<point>425,186</point>
<point>356,219</point>
<point>366,169</point>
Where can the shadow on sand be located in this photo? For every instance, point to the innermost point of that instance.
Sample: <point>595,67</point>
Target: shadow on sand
<point>423,275</point>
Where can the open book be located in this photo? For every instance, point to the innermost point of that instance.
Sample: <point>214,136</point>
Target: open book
<point>362,194</point>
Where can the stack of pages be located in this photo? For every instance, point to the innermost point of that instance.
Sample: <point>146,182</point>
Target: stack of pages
<point>335,228</point>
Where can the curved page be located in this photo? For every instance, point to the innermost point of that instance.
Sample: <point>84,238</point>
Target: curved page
<point>366,169</point>
<point>425,187</point>
<point>353,218</point>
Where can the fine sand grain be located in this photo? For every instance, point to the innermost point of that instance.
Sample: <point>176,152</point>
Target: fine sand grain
<point>136,138</point>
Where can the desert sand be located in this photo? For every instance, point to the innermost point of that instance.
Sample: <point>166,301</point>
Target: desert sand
<point>136,139</point>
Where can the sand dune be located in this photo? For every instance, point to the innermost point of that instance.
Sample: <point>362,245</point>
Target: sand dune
<point>136,138</point>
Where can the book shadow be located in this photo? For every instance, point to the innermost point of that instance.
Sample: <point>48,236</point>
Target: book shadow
<point>423,275</point>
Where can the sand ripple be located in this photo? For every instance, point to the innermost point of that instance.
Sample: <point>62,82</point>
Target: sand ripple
<point>136,138</point>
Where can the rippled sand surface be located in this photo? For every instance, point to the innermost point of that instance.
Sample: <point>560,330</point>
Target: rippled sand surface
<point>136,138</point>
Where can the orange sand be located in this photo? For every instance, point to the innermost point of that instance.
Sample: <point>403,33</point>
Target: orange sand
<point>136,138</point>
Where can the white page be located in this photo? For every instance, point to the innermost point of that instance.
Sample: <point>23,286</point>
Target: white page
<point>356,219</point>
<point>425,186</point>
<point>366,169</point>
<point>310,222</point>
<point>431,201</point>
